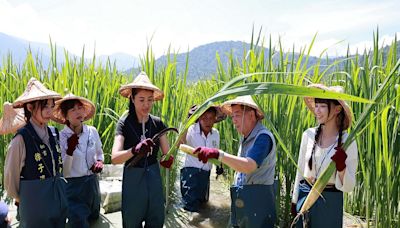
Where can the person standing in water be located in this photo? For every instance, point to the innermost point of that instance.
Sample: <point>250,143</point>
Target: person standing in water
<point>142,191</point>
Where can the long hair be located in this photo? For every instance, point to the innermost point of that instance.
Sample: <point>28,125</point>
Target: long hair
<point>339,122</point>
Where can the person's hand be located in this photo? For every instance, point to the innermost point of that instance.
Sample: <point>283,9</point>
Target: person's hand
<point>205,153</point>
<point>72,143</point>
<point>293,210</point>
<point>97,167</point>
<point>167,163</point>
<point>144,147</point>
<point>219,170</point>
<point>339,158</point>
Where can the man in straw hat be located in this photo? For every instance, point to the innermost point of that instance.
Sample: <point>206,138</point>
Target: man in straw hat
<point>33,164</point>
<point>83,157</point>
<point>195,175</point>
<point>252,195</point>
<point>319,146</point>
<point>142,191</point>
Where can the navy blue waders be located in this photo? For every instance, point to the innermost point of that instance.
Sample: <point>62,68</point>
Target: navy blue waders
<point>142,197</point>
<point>195,184</point>
<point>43,203</point>
<point>253,206</point>
<point>326,212</point>
<point>83,200</point>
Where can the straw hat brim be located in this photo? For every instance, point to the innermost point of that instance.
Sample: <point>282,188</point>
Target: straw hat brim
<point>88,106</point>
<point>126,90</point>
<point>227,108</point>
<point>310,103</point>
<point>35,91</point>
<point>220,116</point>
<point>12,120</point>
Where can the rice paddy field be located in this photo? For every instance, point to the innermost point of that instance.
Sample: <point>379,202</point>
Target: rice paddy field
<point>371,74</point>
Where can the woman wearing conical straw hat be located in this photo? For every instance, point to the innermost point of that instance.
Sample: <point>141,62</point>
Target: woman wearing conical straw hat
<point>319,146</point>
<point>83,157</point>
<point>252,195</point>
<point>142,192</point>
<point>33,168</point>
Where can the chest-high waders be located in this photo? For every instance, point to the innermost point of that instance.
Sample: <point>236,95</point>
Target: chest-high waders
<point>195,184</point>
<point>142,197</point>
<point>83,200</point>
<point>253,206</point>
<point>43,202</point>
<point>326,212</point>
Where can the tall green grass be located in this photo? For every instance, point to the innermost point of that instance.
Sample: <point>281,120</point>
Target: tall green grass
<point>376,196</point>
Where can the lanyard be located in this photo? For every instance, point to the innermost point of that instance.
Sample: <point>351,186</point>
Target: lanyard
<point>326,155</point>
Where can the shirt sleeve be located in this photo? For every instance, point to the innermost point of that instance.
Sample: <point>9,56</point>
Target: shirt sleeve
<point>300,168</point>
<point>99,146</point>
<point>260,149</point>
<point>15,161</point>
<point>349,179</point>
<point>120,127</point>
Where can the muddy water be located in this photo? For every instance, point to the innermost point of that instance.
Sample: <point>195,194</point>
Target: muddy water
<point>214,213</point>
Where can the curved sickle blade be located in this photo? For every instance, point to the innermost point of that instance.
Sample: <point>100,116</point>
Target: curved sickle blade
<point>155,138</point>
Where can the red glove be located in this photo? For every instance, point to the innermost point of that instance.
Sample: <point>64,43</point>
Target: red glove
<point>205,153</point>
<point>97,167</point>
<point>339,158</point>
<point>167,163</point>
<point>293,210</point>
<point>72,143</point>
<point>143,147</point>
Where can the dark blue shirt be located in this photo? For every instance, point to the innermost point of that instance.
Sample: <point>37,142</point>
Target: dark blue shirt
<point>261,148</point>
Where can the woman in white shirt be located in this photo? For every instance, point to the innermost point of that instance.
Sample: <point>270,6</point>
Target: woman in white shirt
<point>319,146</point>
<point>83,157</point>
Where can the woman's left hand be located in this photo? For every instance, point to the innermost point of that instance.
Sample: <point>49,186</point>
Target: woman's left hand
<point>97,167</point>
<point>340,159</point>
<point>167,163</point>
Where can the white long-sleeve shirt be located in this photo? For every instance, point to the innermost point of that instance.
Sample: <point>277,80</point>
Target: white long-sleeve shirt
<point>87,152</point>
<point>195,138</point>
<point>322,160</point>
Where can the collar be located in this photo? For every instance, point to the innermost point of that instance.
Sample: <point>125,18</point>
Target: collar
<point>68,130</point>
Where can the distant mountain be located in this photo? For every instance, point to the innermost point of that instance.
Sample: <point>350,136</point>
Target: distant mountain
<point>123,61</point>
<point>18,48</point>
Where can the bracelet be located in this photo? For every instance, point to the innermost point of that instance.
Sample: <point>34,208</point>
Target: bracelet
<point>221,155</point>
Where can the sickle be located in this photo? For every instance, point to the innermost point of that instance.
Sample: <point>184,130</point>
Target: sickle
<point>155,138</point>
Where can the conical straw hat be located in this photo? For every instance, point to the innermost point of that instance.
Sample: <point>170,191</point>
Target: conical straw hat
<point>310,102</point>
<point>242,100</point>
<point>141,81</point>
<point>35,91</point>
<point>12,120</point>
<point>88,106</point>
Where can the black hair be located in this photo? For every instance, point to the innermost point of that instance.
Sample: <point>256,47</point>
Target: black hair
<point>35,104</point>
<point>67,105</point>
<point>340,123</point>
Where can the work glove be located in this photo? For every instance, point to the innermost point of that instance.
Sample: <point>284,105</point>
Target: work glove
<point>293,210</point>
<point>72,143</point>
<point>144,147</point>
<point>97,167</point>
<point>205,153</point>
<point>339,158</point>
<point>167,163</point>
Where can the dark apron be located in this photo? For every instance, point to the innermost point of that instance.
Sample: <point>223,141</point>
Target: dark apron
<point>142,197</point>
<point>83,200</point>
<point>253,206</point>
<point>43,203</point>
<point>195,184</point>
<point>326,212</point>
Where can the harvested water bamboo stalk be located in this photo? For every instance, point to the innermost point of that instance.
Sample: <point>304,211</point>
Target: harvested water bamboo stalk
<point>189,150</point>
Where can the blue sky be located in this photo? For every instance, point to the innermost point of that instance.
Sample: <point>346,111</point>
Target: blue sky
<point>127,25</point>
